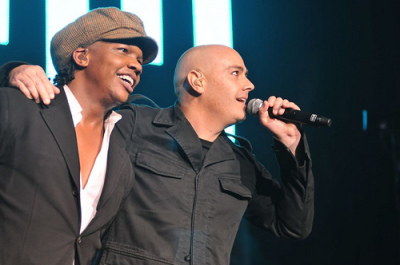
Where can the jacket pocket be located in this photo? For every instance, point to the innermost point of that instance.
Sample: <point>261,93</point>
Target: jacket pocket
<point>160,164</point>
<point>121,254</point>
<point>235,187</point>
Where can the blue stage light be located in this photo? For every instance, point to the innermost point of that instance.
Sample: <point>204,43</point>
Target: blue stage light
<point>4,21</point>
<point>151,12</point>
<point>59,13</point>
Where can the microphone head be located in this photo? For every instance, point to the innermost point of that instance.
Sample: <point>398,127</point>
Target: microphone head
<point>254,105</point>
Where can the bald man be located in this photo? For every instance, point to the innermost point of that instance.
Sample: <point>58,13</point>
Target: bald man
<point>193,184</point>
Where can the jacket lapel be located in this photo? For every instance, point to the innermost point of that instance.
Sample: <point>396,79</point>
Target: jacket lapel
<point>117,161</point>
<point>58,118</point>
<point>118,182</point>
<point>188,140</point>
<point>220,151</point>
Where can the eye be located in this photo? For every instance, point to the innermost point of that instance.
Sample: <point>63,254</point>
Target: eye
<point>235,72</point>
<point>122,49</point>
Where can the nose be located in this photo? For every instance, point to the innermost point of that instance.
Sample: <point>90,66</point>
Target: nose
<point>136,66</point>
<point>250,86</point>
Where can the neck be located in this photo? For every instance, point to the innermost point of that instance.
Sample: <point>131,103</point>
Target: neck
<point>93,111</point>
<point>206,125</point>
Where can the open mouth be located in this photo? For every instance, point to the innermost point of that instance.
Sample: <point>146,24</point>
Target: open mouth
<point>128,79</point>
<point>243,100</point>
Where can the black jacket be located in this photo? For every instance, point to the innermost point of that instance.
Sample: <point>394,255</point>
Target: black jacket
<point>183,210</point>
<point>39,184</point>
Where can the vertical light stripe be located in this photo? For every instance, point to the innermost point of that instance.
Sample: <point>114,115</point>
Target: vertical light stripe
<point>150,12</point>
<point>59,13</point>
<point>212,24</point>
<point>365,120</point>
<point>4,21</point>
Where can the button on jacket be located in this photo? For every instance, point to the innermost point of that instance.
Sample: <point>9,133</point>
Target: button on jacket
<point>183,210</point>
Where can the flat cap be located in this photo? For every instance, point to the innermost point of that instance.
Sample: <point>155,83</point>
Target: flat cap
<point>100,24</point>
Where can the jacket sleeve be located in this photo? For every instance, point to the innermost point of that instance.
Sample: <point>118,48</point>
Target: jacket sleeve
<point>285,208</point>
<point>4,121</point>
<point>5,70</point>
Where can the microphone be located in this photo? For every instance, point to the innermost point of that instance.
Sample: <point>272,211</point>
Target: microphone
<point>291,115</point>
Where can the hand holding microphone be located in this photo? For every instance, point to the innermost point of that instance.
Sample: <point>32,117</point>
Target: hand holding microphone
<point>291,115</point>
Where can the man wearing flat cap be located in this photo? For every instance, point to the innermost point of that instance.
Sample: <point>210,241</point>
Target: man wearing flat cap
<point>64,170</point>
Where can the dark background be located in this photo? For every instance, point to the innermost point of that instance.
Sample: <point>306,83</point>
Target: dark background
<point>335,58</point>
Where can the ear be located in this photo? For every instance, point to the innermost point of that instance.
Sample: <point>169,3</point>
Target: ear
<point>80,57</point>
<point>196,81</point>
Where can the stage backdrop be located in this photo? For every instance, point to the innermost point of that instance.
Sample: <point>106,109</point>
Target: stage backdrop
<point>336,58</point>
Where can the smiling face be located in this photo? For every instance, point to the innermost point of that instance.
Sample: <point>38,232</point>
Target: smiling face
<point>226,85</point>
<point>113,71</point>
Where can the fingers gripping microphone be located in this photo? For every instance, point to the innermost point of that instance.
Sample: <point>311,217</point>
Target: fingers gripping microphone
<point>291,115</point>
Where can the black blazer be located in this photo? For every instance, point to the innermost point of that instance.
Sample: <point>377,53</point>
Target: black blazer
<point>39,184</point>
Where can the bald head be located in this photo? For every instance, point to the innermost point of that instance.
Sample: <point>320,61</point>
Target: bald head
<point>201,59</point>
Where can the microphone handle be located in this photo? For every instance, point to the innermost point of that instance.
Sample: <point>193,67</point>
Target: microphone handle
<point>297,116</point>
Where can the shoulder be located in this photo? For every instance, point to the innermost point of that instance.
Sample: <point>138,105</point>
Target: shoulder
<point>143,112</point>
<point>133,112</point>
<point>135,117</point>
<point>16,100</point>
<point>12,97</point>
<point>10,91</point>
<point>15,107</point>
<point>136,108</point>
<point>240,142</point>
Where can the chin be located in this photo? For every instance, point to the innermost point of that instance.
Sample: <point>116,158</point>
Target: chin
<point>125,99</point>
<point>122,97</point>
<point>241,120</point>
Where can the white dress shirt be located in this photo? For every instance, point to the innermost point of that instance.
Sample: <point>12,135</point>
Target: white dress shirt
<point>90,195</point>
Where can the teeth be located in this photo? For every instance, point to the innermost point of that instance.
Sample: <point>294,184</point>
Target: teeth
<point>127,78</point>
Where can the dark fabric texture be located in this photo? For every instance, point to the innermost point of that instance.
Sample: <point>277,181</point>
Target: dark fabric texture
<point>40,184</point>
<point>186,210</point>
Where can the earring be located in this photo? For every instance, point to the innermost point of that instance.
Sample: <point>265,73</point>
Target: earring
<point>82,57</point>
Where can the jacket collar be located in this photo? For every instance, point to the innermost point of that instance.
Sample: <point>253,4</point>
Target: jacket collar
<point>182,131</point>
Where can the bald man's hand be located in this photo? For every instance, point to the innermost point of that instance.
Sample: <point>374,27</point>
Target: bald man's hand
<point>288,133</point>
<point>33,82</point>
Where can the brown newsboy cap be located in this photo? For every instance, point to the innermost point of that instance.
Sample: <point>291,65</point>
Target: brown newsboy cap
<point>100,24</point>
